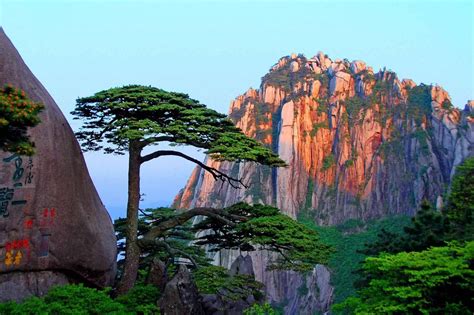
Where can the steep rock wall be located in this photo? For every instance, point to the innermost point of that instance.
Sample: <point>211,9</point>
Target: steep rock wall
<point>359,145</point>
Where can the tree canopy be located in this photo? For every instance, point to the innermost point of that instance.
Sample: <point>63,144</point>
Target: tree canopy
<point>168,235</point>
<point>240,226</point>
<point>460,208</point>
<point>17,113</point>
<point>438,280</point>
<point>149,115</point>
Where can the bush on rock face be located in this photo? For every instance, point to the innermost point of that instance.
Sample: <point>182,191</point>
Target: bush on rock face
<point>17,113</point>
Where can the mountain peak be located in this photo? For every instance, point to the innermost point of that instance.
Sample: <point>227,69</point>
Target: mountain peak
<point>359,145</point>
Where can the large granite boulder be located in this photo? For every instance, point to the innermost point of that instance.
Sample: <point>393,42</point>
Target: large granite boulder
<point>54,228</point>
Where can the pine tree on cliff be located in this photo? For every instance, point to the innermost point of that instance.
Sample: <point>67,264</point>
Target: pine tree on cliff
<point>460,207</point>
<point>17,113</point>
<point>132,118</point>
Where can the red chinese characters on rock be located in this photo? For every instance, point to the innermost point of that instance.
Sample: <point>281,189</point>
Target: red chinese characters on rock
<point>48,217</point>
<point>28,224</point>
<point>15,251</point>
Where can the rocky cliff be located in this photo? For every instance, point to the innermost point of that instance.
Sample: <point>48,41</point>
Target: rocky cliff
<point>53,227</point>
<point>359,144</point>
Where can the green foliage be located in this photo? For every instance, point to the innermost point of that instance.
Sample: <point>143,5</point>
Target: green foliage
<point>349,163</point>
<point>240,226</point>
<point>460,207</point>
<point>422,137</point>
<point>77,299</point>
<point>321,77</point>
<point>279,78</point>
<point>328,162</point>
<point>419,102</point>
<point>347,258</point>
<point>435,281</point>
<point>323,105</point>
<point>258,309</point>
<point>309,194</point>
<point>217,280</point>
<point>347,240</point>
<point>381,88</point>
<point>17,114</point>
<point>176,245</point>
<point>149,115</point>
<point>428,228</point>
<point>141,299</point>
<point>415,270</point>
<point>285,79</point>
<point>265,227</point>
<point>317,126</point>
<point>354,107</point>
<point>367,76</point>
<point>69,299</point>
<point>447,105</point>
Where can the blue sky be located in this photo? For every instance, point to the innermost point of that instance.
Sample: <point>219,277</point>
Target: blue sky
<point>215,50</point>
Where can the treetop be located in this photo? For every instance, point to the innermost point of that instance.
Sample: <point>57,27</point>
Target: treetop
<point>145,115</point>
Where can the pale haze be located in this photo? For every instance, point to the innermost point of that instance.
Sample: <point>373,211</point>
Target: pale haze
<point>215,51</point>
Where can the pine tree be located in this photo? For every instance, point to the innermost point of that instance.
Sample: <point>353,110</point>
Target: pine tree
<point>131,118</point>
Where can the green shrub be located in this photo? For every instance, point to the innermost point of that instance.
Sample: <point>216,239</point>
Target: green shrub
<point>328,162</point>
<point>447,105</point>
<point>422,137</point>
<point>349,163</point>
<point>317,126</point>
<point>435,281</point>
<point>17,113</point>
<point>354,105</point>
<point>258,309</point>
<point>77,299</point>
<point>141,299</point>
<point>349,239</point>
<point>419,102</point>
<point>217,280</point>
<point>69,299</point>
<point>323,105</point>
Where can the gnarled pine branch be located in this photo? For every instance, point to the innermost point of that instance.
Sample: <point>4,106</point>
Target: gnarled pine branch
<point>218,175</point>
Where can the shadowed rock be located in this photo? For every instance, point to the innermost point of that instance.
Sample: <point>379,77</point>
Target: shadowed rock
<point>181,295</point>
<point>215,304</point>
<point>157,275</point>
<point>54,228</point>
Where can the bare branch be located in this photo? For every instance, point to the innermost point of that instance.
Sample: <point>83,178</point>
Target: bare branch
<point>218,175</point>
<point>173,251</point>
<point>146,214</point>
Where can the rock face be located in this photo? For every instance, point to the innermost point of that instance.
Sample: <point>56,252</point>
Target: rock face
<point>359,145</point>
<point>53,226</point>
<point>214,304</point>
<point>181,295</point>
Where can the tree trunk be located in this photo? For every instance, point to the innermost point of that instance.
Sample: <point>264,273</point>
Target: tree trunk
<point>132,251</point>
